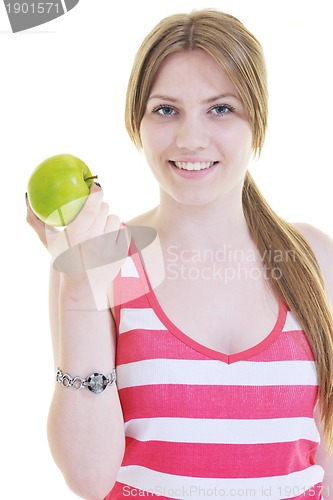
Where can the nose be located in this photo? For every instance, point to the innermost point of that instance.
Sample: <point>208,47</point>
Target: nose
<point>192,134</point>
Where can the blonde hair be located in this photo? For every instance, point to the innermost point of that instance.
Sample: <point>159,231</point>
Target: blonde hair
<point>240,55</point>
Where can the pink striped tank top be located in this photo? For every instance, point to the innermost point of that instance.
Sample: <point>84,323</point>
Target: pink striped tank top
<point>199,423</point>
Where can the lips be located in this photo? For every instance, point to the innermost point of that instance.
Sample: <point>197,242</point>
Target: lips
<point>199,165</point>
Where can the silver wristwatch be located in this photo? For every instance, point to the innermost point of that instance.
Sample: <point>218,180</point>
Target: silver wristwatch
<point>96,382</point>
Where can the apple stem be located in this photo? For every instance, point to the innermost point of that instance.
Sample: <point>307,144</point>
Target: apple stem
<point>92,177</point>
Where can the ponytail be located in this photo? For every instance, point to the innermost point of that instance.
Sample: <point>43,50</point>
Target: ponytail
<point>299,283</point>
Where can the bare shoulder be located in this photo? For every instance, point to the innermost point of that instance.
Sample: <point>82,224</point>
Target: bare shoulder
<point>320,242</point>
<point>322,246</point>
<point>145,219</point>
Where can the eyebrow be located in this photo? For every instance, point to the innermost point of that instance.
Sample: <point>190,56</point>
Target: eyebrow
<point>206,101</point>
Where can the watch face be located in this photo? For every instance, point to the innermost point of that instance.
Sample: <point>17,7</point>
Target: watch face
<point>96,383</point>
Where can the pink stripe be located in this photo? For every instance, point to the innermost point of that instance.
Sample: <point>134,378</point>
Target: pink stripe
<point>219,460</point>
<point>137,345</point>
<point>131,291</point>
<point>222,402</point>
<point>291,345</point>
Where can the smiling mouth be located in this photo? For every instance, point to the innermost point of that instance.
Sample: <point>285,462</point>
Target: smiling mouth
<point>185,165</point>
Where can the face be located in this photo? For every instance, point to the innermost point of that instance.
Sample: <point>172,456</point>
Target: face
<point>195,131</point>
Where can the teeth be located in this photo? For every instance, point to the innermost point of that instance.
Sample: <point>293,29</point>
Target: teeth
<point>193,166</point>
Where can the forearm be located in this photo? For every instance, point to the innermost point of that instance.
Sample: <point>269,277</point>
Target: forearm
<point>328,478</point>
<point>54,288</point>
<point>85,430</point>
<point>324,458</point>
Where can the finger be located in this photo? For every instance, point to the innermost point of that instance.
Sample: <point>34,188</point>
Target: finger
<point>95,187</point>
<point>98,226</point>
<point>112,223</point>
<point>95,230</point>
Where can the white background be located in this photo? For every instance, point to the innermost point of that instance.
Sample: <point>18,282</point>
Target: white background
<point>62,89</point>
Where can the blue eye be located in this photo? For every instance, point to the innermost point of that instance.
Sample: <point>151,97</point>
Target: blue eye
<point>164,110</point>
<point>222,110</point>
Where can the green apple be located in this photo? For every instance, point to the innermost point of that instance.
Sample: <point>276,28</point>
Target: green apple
<point>58,189</point>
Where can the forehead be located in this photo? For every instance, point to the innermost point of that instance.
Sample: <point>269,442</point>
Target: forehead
<point>187,69</point>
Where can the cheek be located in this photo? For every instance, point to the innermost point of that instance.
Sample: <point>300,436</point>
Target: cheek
<point>143,134</point>
<point>155,139</point>
<point>148,135</point>
<point>238,139</point>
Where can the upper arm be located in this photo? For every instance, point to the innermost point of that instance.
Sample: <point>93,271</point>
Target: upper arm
<point>322,246</point>
<point>322,457</point>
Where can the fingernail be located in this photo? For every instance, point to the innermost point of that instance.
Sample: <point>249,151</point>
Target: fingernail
<point>26,199</point>
<point>98,184</point>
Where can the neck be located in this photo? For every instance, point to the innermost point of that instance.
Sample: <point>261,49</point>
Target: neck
<point>202,226</point>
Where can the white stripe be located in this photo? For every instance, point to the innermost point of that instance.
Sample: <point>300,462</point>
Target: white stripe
<point>214,372</point>
<point>197,488</point>
<point>128,269</point>
<point>145,318</point>
<point>291,323</point>
<point>226,431</point>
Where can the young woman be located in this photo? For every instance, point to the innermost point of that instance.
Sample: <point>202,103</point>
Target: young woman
<point>225,369</point>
